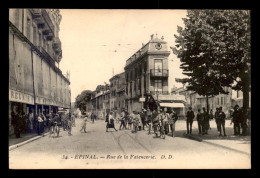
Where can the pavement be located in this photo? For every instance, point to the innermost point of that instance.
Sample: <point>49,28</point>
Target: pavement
<point>124,149</point>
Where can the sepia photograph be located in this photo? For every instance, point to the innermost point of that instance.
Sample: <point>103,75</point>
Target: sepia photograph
<point>129,89</point>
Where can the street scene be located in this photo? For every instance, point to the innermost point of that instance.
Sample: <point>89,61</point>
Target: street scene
<point>109,89</point>
<point>72,151</point>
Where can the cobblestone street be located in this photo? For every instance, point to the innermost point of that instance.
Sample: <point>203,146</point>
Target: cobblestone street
<point>99,149</point>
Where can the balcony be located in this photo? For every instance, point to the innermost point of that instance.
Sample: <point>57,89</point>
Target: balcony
<point>41,17</point>
<point>56,44</point>
<point>159,73</point>
<point>36,13</point>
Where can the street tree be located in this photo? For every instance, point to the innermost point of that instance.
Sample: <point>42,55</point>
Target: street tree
<point>214,50</point>
<point>82,100</point>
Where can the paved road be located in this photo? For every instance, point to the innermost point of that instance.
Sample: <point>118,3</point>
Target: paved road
<point>122,149</point>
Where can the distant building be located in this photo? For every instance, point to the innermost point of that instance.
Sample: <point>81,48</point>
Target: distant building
<point>146,73</point>
<point>237,98</point>
<point>117,92</point>
<point>196,101</point>
<point>100,101</point>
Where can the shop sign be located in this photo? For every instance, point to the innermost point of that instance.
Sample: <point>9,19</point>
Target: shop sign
<point>20,97</point>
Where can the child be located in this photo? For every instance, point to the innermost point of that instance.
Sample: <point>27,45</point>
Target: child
<point>84,124</point>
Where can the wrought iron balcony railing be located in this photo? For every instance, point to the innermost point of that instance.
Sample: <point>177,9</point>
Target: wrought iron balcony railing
<point>159,73</point>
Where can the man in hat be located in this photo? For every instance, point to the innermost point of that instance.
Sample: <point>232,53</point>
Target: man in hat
<point>205,121</point>
<point>199,120</point>
<point>173,117</point>
<point>122,119</point>
<point>190,117</point>
<point>222,117</point>
<point>236,120</point>
<point>216,119</point>
<point>16,121</point>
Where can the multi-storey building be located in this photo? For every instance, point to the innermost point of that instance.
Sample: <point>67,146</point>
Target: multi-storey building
<point>35,82</point>
<point>100,101</point>
<point>146,73</point>
<point>117,92</point>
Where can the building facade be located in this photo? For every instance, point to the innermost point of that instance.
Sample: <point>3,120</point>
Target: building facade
<point>196,101</point>
<point>146,73</point>
<point>36,83</point>
<point>117,92</point>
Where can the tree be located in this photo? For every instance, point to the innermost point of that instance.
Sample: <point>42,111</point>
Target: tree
<point>214,49</point>
<point>82,100</point>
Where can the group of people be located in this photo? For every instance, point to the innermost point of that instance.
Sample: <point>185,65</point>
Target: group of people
<point>203,120</point>
<point>28,123</point>
<point>137,121</point>
<point>242,120</point>
<point>158,119</point>
<point>239,117</point>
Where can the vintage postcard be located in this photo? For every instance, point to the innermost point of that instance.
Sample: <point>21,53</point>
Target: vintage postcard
<point>129,89</point>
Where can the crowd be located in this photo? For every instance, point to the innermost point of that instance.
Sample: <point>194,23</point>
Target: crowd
<point>27,123</point>
<point>162,122</point>
<point>158,121</point>
<point>137,121</point>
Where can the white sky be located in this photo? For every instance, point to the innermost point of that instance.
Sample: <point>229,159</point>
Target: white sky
<point>84,32</point>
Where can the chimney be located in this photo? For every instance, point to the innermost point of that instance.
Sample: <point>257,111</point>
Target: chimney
<point>151,36</point>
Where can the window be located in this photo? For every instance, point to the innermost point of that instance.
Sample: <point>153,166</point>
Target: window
<point>34,36</point>
<point>40,39</point>
<point>221,100</point>
<point>158,67</point>
<point>157,85</point>
<point>28,28</point>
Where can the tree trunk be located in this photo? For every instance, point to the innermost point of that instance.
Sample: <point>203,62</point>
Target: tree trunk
<point>245,88</point>
<point>246,97</point>
<point>207,102</point>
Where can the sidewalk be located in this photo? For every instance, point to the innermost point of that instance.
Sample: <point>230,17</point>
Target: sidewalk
<point>240,144</point>
<point>24,137</point>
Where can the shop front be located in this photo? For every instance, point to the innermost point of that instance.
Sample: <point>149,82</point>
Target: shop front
<point>25,105</point>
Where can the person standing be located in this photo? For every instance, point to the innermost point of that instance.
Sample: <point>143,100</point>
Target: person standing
<point>92,117</point>
<point>130,121</point>
<point>84,124</point>
<point>122,120</point>
<point>142,115</point>
<point>205,121</point>
<point>111,121</point>
<point>16,121</point>
<point>173,117</point>
<point>165,121</point>
<point>236,120</point>
<point>40,124</point>
<point>139,121</point>
<point>30,120</point>
<point>149,120</point>
<point>210,117</point>
<point>222,117</point>
<point>190,117</point>
<point>216,119</point>
<point>70,125</point>
<point>156,118</point>
<point>199,120</point>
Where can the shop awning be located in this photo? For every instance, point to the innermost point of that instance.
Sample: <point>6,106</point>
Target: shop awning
<point>172,105</point>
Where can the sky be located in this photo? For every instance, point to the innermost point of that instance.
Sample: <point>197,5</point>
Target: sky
<point>97,43</point>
